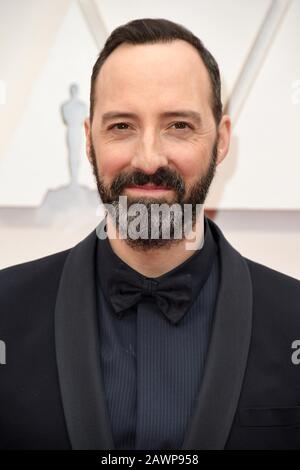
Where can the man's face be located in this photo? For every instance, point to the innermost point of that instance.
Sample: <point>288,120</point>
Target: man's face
<point>153,137</point>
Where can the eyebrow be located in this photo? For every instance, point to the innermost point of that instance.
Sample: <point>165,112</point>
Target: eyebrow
<point>185,113</point>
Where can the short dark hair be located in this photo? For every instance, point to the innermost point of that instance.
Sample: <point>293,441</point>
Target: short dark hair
<point>156,30</point>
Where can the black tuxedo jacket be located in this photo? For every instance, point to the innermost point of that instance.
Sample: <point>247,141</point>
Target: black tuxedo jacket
<point>51,387</point>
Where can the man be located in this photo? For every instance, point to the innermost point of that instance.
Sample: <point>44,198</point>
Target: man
<point>143,342</point>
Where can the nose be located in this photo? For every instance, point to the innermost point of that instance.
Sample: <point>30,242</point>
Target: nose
<point>148,156</point>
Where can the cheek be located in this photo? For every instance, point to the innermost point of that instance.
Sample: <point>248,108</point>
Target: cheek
<point>189,161</point>
<point>112,159</point>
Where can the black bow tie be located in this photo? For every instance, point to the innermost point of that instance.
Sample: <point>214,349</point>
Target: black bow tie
<point>172,294</point>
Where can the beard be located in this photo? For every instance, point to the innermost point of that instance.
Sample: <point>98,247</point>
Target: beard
<point>177,220</point>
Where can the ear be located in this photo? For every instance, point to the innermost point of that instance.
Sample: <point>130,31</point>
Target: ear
<point>87,128</point>
<point>224,134</point>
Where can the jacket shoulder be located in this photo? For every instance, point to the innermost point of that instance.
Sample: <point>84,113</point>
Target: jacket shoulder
<point>267,276</point>
<point>27,279</point>
<point>276,296</point>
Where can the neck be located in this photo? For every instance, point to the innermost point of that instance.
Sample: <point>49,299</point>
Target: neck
<point>157,261</point>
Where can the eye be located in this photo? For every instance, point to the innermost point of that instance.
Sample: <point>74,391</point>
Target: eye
<point>182,125</point>
<point>119,124</point>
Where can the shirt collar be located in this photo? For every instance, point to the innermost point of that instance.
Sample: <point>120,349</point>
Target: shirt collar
<point>198,265</point>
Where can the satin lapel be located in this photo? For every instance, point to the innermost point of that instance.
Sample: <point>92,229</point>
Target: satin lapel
<point>77,351</point>
<point>227,354</point>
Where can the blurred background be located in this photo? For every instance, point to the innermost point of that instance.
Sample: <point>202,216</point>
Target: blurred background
<point>48,45</point>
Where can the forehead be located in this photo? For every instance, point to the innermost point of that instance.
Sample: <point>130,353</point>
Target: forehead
<point>161,74</point>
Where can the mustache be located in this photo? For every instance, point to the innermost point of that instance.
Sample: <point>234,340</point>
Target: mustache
<point>163,177</point>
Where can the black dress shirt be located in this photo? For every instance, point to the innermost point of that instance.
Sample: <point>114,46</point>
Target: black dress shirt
<point>152,369</point>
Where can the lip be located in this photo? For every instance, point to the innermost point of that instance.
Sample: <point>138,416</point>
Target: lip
<point>148,188</point>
